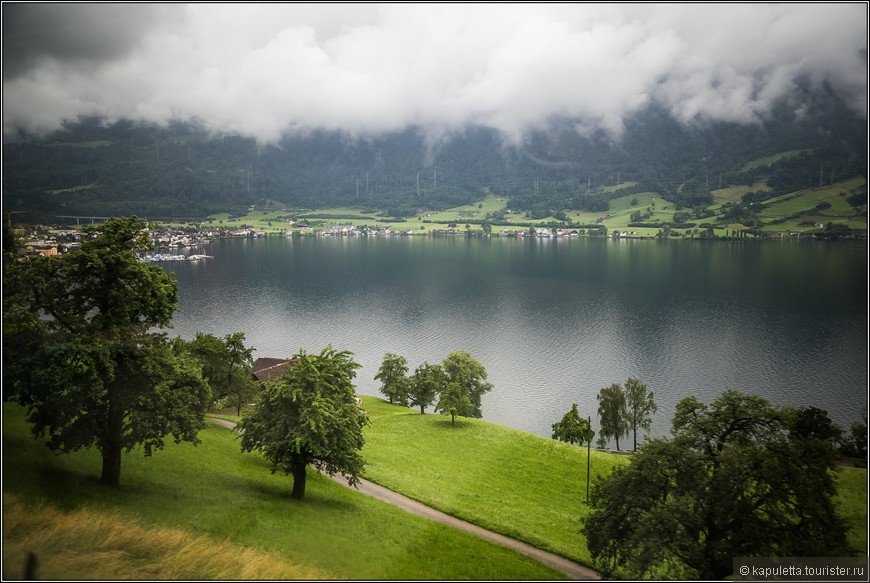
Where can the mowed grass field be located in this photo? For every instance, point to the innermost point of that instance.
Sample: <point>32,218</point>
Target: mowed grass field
<point>508,481</point>
<point>213,492</point>
<point>513,482</point>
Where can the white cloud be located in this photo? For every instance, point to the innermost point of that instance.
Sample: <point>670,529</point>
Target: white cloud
<point>263,69</point>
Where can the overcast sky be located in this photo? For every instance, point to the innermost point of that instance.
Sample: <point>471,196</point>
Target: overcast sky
<point>264,69</point>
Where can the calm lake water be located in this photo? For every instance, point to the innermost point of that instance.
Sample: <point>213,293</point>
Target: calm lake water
<point>554,321</point>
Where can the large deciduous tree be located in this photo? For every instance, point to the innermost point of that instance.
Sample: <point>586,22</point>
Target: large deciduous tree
<point>739,478</point>
<point>425,385</point>
<point>394,382</point>
<point>309,416</point>
<point>612,414</point>
<point>470,375</point>
<point>639,407</point>
<point>89,364</point>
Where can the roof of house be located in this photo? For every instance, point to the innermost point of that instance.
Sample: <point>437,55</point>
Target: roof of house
<point>267,369</point>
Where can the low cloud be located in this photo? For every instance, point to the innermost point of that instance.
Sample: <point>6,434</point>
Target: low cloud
<point>266,69</point>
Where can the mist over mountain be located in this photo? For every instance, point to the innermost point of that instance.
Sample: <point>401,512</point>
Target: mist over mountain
<point>182,169</point>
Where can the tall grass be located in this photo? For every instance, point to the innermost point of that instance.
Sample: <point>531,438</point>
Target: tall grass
<point>95,544</point>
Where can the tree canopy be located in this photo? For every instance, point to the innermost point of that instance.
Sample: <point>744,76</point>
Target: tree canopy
<point>309,416</point>
<point>425,385</point>
<point>89,365</point>
<point>226,365</point>
<point>470,375</point>
<point>739,478</point>
<point>612,414</point>
<point>639,407</point>
<point>572,428</point>
<point>394,382</point>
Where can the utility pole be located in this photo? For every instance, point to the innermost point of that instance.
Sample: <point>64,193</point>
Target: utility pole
<point>357,187</point>
<point>821,178</point>
<point>367,181</point>
<point>436,179</point>
<point>588,451</point>
<point>418,185</point>
<point>588,183</point>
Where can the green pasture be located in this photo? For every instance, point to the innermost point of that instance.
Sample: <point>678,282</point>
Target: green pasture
<point>768,160</point>
<point>806,200</point>
<point>87,144</point>
<point>508,481</point>
<point>90,186</point>
<point>215,490</point>
<point>734,193</point>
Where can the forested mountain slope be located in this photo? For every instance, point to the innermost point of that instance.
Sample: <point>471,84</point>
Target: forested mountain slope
<point>97,168</point>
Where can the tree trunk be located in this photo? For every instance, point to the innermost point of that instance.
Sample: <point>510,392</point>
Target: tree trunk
<point>111,448</point>
<point>298,466</point>
<point>617,443</point>
<point>635,440</point>
<point>422,409</point>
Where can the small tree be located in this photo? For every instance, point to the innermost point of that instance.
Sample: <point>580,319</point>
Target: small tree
<point>392,375</point>
<point>309,416</point>
<point>460,368</point>
<point>425,385</point>
<point>455,401</point>
<point>639,407</point>
<point>574,429</point>
<point>612,413</point>
<point>226,364</point>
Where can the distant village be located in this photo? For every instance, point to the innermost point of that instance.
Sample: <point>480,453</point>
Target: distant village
<point>49,240</point>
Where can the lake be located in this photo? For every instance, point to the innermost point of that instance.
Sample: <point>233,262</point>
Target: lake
<point>555,320</point>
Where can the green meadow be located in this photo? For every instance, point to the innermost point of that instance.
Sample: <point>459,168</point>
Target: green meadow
<point>214,492</point>
<point>768,160</point>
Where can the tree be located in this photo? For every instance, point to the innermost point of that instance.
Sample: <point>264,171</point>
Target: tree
<point>574,429</point>
<point>739,478</point>
<point>455,401</point>
<point>612,414</point>
<point>425,385</point>
<point>461,369</point>
<point>90,366</point>
<point>639,407</point>
<point>393,380</point>
<point>226,364</point>
<point>309,416</point>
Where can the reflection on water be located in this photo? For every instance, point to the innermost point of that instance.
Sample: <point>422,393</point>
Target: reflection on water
<point>554,321</point>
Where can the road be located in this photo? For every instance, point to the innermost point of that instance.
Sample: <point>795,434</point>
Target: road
<point>570,568</point>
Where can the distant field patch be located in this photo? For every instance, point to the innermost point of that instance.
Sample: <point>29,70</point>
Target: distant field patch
<point>768,160</point>
<point>615,187</point>
<point>74,188</point>
<point>734,193</point>
<point>805,201</point>
<point>88,144</point>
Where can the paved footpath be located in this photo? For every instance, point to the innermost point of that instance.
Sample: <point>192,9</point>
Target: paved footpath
<point>570,568</point>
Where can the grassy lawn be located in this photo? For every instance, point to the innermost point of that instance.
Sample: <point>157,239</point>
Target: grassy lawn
<point>214,491</point>
<point>513,482</point>
<point>506,480</point>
